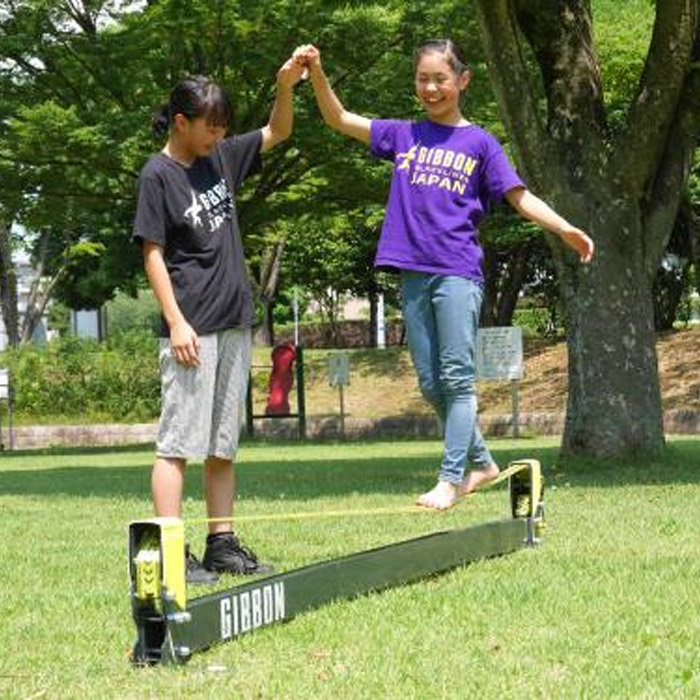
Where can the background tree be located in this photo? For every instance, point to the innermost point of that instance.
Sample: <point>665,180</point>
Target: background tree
<point>322,256</point>
<point>62,174</point>
<point>509,245</point>
<point>79,82</point>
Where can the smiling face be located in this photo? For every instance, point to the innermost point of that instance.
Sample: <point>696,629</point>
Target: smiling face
<point>439,87</point>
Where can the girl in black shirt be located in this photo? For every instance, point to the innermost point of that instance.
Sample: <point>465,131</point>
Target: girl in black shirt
<point>187,226</point>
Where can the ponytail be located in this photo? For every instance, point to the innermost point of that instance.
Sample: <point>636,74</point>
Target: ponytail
<point>161,121</point>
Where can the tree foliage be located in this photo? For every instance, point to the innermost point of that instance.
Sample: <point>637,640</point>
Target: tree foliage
<point>80,80</point>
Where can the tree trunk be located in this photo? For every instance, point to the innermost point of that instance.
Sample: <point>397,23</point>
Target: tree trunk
<point>268,322</point>
<point>40,292</point>
<point>373,310</point>
<point>668,289</point>
<point>513,280</point>
<point>8,287</point>
<point>489,303</point>
<point>267,286</point>
<point>505,273</point>
<point>614,400</point>
<point>672,278</point>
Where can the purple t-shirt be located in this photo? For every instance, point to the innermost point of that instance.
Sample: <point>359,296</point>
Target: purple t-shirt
<point>444,180</point>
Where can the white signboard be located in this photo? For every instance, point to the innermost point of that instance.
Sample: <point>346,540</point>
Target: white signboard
<point>499,353</point>
<point>86,323</point>
<point>381,325</point>
<point>4,383</point>
<point>339,369</point>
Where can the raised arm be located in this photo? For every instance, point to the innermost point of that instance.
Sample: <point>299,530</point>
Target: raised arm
<point>540,213</point>
<point>279,126</point>
<point>332,110</point>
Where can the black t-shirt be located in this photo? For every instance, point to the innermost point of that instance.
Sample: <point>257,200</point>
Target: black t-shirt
<point>191,213</point>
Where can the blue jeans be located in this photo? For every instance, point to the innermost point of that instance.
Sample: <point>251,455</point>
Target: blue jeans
<point>441,314</point>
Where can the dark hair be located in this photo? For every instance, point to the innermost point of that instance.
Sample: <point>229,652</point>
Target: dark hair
<point>452,53</point>
<point>194,96</point>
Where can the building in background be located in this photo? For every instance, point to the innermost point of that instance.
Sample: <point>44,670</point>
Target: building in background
<point>89,323</point>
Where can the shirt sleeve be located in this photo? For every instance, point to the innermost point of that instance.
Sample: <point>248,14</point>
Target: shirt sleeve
<point>499,176</point>
<point>382,138</point>
<point>150,221</point>
<point>241,153</point>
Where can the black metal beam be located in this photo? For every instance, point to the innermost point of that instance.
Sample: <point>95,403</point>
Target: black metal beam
<point>228,614</point>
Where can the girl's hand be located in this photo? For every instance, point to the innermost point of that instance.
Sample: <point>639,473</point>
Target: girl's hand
<point>290,73</point>
<point>308,56</point>
<point>576,239</point>
<point>185,344</point>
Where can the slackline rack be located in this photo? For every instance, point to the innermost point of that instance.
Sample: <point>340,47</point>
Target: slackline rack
<point>171,627</point>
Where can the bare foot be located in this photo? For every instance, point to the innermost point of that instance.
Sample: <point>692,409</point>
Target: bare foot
<point>478,478</point>
<point>443,496</point>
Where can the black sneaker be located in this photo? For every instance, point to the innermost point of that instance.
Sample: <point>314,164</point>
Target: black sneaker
<point>225,554</point>
<point>195,573</point>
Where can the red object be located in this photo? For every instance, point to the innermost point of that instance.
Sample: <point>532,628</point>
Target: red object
<point>281,379</point>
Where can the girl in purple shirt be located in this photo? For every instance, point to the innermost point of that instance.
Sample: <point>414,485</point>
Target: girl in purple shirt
<point>447,172</point>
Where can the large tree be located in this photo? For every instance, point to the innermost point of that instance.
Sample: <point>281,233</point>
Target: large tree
<point>622,184</point>
<point>79,81</point>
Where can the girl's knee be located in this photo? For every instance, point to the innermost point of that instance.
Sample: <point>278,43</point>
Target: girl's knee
<point>432,393</point>
<point>458,388</point>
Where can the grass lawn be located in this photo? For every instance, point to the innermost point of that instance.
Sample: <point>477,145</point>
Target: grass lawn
<point>608,606</point>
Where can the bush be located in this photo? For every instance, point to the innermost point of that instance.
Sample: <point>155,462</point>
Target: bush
<point>125,313</point>
<point>536,322</point>
<point>78,378</point>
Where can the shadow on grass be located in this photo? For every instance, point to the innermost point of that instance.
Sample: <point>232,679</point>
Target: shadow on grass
<point>320,473</point>
<point>62,451</point>
<point>680,464</point>
<point>266,480</point>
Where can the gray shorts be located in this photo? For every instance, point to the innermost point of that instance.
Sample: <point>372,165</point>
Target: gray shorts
<point>203,407</point>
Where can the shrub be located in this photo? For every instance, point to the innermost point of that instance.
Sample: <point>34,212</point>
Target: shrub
<point>78,378</point>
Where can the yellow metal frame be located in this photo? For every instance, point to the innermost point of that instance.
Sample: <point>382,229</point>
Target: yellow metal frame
<point>157,562</point>
<point>532,467</point>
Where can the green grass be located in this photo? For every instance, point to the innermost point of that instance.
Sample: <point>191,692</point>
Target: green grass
<point>607,607</point>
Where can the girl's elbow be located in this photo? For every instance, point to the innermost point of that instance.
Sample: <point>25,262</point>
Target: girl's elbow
<point>283,135</point>
<point>515,196</point>
<point>347,127</point>
<point>518,201</point>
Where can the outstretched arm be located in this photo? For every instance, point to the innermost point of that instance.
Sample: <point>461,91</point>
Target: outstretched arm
<point>537,211</point>
<point>279,126</point>
<point>332,110</point>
